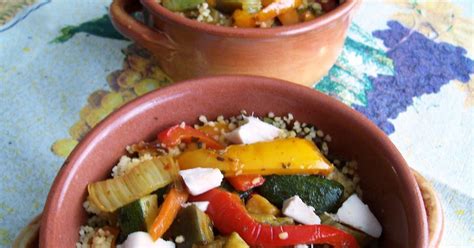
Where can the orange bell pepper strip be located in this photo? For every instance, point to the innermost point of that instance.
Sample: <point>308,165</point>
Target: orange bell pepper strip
<point>246,182</point>
<point>176,134</point>
<point>276,8</point>
<point>168,211</point>
<point>244,19</point>
<point>229,215</point>
<point>290,17</point>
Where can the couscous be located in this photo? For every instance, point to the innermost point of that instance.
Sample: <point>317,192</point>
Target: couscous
<point>241,181</point>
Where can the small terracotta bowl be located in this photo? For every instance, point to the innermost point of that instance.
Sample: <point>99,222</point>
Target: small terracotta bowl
<point>301,53</point>
<point>389,186</point>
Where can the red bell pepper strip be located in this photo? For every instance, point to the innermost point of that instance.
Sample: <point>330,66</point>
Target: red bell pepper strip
<point>246,182</point>
<point>229,215</point>
<point>176,134</point>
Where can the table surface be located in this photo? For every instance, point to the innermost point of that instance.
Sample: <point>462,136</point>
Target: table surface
<point>406,65</point>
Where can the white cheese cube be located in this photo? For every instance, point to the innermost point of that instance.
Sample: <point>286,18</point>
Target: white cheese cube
<point>356,214</point>
<point>200,180</point>
<point>295,208</point>
<point>144,240</point>
<point>202,205</point>
<point>253,131</point>
<point>301,246</point>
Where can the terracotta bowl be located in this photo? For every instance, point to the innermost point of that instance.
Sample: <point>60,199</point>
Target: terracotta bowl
<point>301,53</point>
<point>389,186</point>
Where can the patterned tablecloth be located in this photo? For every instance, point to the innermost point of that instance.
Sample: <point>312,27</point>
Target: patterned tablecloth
<point>406,65</point>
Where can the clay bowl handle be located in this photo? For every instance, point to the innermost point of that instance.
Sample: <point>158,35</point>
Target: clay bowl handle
<point>125,23</point>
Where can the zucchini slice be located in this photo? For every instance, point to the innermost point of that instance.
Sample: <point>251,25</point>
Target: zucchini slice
<point>322,194</point>
<point>138,215</point>
<point>193,225</point>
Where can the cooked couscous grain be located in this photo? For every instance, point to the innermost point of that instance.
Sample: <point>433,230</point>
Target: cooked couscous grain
<point>126,163</point>
<point>203,119</point>
<point>94,238</point>
<point>204,13</point>
<point>179,239</point>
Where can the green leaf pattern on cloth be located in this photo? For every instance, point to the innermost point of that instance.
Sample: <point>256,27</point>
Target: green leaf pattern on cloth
<point>101,27</point>
<point>362,57</point>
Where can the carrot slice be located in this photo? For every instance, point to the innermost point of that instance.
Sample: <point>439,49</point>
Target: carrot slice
<point>168,212</point>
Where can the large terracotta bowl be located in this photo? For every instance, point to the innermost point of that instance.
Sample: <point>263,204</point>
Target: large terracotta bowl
<point>301,53</point>
<point>389,186</point>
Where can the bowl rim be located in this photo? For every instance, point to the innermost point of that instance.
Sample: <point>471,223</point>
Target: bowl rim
<point>342,10</point>
<point>73,163</point>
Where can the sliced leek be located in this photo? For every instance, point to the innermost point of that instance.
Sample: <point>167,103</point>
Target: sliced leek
<point>143,179</point>
<point>251,6</point>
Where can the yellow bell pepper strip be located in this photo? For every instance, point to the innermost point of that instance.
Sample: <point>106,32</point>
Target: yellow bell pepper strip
<point>235,241</point>
<point>229,215</point>
<point>168,212</point>
<point>258,204</point>
<point>290,17</point>
<point>281,156</point>
<point>243,182</point>
<point>276,8</point>
<point>244,19</point>
<point>176,134</point>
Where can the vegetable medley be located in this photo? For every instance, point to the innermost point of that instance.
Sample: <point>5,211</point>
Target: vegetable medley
<point>237,182</point>
<point>251,13</point>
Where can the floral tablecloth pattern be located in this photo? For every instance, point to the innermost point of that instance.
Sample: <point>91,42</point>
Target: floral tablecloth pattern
<point>407,65</point>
